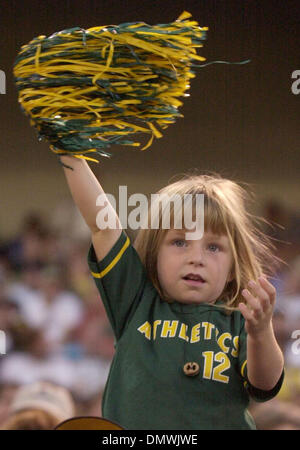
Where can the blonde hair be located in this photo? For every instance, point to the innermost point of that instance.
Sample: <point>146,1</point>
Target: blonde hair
<point>225,212</point>
<point>31,419</point>
<point>39,406</point>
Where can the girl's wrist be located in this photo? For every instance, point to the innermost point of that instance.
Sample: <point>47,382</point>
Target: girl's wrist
<point>62,162</point>
<point>261,335</point>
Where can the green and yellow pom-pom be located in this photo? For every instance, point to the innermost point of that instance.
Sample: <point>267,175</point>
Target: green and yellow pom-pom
<point>85,90</point>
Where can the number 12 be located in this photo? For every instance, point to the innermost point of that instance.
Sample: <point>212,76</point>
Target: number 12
<point>216,373</point>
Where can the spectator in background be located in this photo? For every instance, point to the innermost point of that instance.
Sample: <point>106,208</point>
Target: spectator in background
<point>26,293</point>
<point>276,415</point>
<point>45,303</point>
<point>63,309</point>
<point>31,360</point>
<point>27,247</point>
<point>7,393</point>
<point>82,364</point>
<point>40,406</point>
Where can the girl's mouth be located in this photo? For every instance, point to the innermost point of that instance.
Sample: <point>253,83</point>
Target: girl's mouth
<point>194,279</point>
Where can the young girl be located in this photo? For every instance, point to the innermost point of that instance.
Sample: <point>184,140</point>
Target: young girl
<point>192,317</point>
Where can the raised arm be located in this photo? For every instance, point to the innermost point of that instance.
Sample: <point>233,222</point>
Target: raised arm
<point>85,189</point>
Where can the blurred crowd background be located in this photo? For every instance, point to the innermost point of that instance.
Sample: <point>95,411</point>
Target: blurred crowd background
<point>55,326</point>
<point>241,121</point>
<point>56,329</point>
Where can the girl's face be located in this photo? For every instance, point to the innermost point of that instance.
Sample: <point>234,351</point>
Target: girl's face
<point>194,271</point>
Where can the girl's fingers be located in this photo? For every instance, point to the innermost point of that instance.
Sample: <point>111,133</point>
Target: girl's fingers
<point>261,294</point>
<point>258,303</point>
<point>247,313</point>
<point>253,304</point>
<point>269,288</point>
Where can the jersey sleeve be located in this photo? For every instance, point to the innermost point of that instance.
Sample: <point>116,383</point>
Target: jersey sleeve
<point>259,395</point>
<point>120,278</point>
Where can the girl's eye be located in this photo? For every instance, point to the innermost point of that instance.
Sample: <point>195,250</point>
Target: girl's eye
<point>213,247</point>
<point>179,242</point>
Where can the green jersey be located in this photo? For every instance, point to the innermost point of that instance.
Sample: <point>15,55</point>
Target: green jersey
<point>176,366</point>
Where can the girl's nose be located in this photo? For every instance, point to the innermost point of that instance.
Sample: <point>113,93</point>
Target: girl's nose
<point>196,255</point>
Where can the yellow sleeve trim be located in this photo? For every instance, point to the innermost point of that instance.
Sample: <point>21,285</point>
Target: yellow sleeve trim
<point>243,368</point>
<point>114,261</point>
